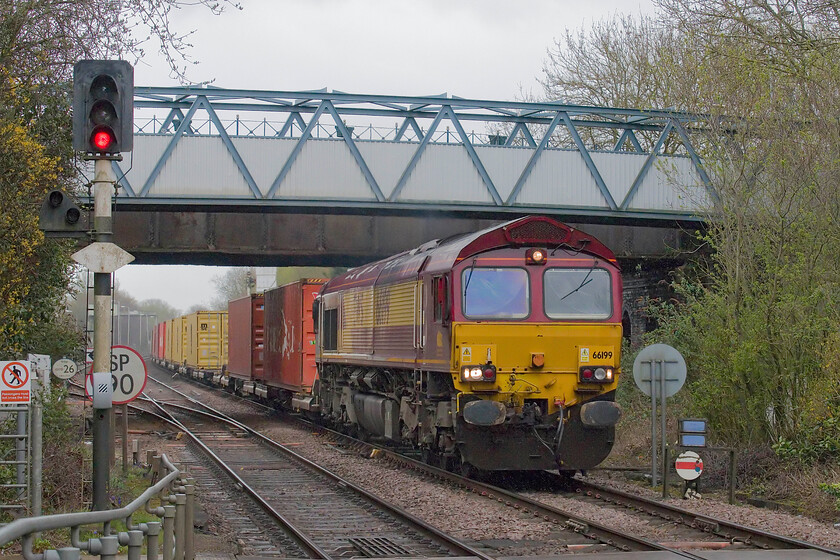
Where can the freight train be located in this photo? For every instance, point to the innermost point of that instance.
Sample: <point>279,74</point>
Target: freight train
<point>493,350</point>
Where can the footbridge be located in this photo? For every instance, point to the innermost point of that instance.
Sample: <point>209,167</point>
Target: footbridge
<point>266,177</point>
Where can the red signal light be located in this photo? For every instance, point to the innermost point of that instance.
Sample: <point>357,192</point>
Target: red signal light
<point>102,138</point>
<point>587,374</point>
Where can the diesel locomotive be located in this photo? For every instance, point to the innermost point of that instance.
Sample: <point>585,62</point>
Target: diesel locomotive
<point>493,350</point>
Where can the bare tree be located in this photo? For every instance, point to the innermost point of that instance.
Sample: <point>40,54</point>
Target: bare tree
<point>42,39</point>
<point>232,284</point>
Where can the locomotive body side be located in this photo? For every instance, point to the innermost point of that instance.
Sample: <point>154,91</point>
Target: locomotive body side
<point>476,354</point>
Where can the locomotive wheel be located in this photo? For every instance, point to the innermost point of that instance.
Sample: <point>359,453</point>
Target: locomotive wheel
<point>465,468</point>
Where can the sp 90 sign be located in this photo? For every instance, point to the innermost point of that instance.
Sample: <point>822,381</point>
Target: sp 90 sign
<point>128,375</point>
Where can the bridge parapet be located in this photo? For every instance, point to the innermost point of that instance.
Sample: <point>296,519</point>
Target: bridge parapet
<point>322,151</point>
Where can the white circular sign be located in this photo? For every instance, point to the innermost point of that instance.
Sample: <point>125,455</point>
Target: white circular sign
<point>655,362</point>
<point>64,368</point>
<point>128,375</point>
<point>689,465</point>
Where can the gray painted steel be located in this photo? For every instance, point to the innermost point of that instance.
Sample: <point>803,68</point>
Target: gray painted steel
<point>302,150</point>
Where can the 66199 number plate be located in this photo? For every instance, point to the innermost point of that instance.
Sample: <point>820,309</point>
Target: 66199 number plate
<point>596,355</point>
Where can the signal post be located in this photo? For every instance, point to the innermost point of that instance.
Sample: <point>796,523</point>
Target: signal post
<point>103,98</point>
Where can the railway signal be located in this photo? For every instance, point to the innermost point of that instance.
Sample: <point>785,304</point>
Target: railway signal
<point>103,103</point>
<point>61,217</point>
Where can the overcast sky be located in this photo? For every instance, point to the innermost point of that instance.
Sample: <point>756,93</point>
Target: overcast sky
<point>479,49</point>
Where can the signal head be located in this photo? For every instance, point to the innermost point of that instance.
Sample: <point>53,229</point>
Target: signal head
<point>103,103</point>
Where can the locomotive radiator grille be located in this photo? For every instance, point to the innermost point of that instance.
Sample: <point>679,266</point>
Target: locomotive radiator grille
<point>536,231</point>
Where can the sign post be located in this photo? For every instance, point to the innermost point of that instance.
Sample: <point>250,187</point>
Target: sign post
<point>659,371</point>
<point>128,379</point>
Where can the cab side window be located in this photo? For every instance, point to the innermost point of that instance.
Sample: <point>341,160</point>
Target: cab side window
<point>440,297</point>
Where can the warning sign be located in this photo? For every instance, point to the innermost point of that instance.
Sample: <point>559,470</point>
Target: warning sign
<point>689,465</point>
<point>16,382</point>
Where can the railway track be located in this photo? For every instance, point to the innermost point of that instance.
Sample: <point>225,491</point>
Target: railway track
<point>719,531</point>
<point>326,516</point>
<point>686,530</point>
<point>578,534</point>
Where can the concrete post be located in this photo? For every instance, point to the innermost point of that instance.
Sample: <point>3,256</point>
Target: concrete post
<point>168,532</point>
<point>135,544</point>
<point>125,437</point>
<point>37,446</point>
<point>180,525</point>
<point>152,532</point>
<point>189,521</point>
<point>103,187</point>
<point>110,547</point>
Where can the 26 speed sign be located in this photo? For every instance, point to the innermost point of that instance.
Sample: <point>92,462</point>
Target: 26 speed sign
<point>128,375</point>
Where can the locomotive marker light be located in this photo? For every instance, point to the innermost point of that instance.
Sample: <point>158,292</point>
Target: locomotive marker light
<point>535,256</point>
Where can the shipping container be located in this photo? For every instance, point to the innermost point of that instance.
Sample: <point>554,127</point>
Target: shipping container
<point>246,334</point>
<point>290,336</point>
<point>159,341</point>
<point>175,341</point>
<point>205,339</point>
<point>134,329</point>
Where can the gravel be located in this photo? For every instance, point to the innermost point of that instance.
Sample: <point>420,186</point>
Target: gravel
<point>474,518</point>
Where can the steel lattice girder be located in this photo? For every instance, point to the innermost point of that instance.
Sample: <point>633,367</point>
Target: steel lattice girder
<point>512,126</point>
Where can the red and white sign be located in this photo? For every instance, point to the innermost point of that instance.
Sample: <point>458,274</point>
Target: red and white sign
<point>16,384</point>
<point>128,375</point>
<point>689,465</point>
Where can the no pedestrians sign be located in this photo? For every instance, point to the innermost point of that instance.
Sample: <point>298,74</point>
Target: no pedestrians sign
<point>15,387</point>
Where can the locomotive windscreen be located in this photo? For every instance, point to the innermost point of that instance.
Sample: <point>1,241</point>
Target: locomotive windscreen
<point>496,293</point>
<point>577,293</point>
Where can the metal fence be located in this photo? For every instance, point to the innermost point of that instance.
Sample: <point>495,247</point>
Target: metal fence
<point>175,493</point>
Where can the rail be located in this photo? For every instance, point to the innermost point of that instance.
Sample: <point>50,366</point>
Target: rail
<point>177,516</point>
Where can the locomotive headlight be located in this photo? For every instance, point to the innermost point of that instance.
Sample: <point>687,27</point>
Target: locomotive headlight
<point>596,374</point>
<point>478,373</point>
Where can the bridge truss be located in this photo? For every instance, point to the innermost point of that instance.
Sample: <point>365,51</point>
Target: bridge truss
<point>332,151</point>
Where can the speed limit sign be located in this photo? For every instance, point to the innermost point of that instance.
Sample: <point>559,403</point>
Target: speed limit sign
<point>128,375</point>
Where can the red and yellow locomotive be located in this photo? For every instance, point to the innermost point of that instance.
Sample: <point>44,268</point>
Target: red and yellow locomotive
<point>495,350</point>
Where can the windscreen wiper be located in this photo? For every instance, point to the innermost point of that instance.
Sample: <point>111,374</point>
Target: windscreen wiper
<point>467,284</point>
<point>586,280</point>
